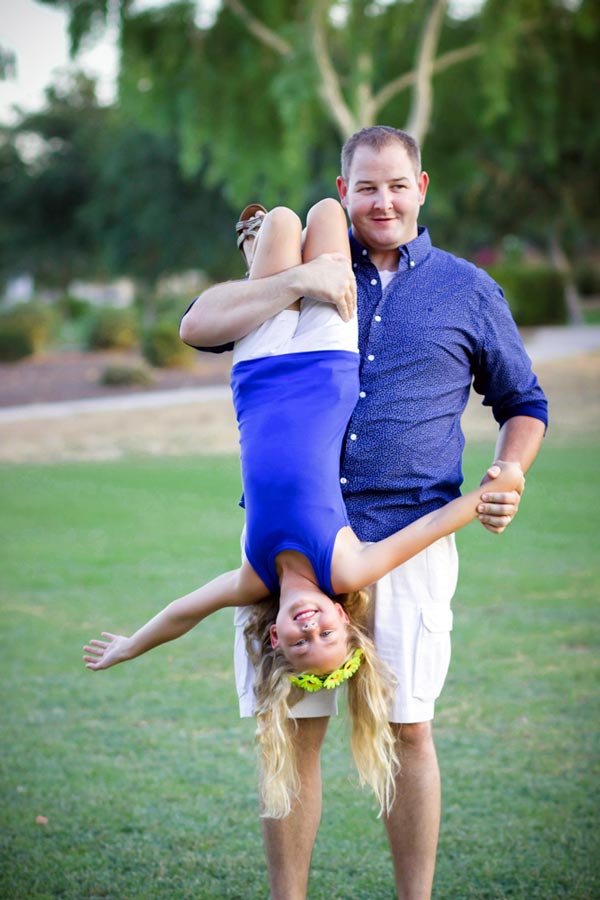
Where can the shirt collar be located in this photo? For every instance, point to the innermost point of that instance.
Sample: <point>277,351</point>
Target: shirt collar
<point>411,254</point>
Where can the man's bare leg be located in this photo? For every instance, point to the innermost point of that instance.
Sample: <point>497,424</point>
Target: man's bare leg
<point>414,822</point>
<point>289,842</point>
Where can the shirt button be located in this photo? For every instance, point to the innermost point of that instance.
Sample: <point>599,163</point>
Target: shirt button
<point>355,265</point>
<point>343,480</point>
<point>352,437</point>
<point>370,357</point>
<point>362,394</point>
<point>364,253</point>
<point>373,281</point>
<point>378,318</point>
<point>412,263</point>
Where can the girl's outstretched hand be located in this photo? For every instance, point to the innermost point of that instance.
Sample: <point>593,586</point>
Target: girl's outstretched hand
<point>104,654</point>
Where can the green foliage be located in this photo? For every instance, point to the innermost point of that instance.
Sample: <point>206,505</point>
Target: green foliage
<point>103,197</point>
<point>171,306</point>
<point>215,114</point>
<point>535,293</point>
<point>587,277</point>
<point>74,308</point>
<point>145,773</point>
<point>42,196</point>
<point>113,329</point>
<point>150,218</point>
<point>532,168</point>
<point>25,329</point>
<point>163,347</point>
<point>123,374</point>
<point>15,341</point>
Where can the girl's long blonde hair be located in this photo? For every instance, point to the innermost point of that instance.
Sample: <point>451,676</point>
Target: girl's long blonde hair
<point>369,696</point>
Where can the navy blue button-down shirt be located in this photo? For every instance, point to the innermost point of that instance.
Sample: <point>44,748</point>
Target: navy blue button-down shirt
<point>441,325</point>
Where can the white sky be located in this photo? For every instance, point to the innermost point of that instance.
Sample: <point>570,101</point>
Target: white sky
<point>37,33</point>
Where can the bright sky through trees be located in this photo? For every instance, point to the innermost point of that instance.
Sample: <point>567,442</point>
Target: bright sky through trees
<point>37,34</point>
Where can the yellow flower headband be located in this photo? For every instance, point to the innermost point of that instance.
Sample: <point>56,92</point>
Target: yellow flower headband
<point>309,682</point>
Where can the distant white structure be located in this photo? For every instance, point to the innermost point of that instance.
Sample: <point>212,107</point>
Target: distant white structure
<point>120,292</point>
<point>19,289</point>
<point>183,284</point>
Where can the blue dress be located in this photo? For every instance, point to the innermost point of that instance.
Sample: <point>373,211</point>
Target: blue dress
<point>292,412</point>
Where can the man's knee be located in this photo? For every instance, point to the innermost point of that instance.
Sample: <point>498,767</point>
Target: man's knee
<point>415,737</point>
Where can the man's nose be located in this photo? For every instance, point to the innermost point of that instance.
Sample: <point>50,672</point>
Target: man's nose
<point>383,199</point>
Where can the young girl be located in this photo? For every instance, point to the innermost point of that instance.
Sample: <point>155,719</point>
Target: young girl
<point>295,384</point>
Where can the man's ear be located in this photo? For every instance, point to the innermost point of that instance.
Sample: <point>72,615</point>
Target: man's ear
<point>423,183</point>
<point>274,638</point>
<point>342,190</point>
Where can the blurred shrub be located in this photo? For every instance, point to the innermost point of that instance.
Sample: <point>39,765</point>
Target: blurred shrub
<point>15,342</point>
<point>25,329</point>
<point>113,329</point>
<point>124,374</point>
<point>163,347</point>
<point>172,307</point>
<point>74,308</point>
<point>535,293</point>
<point>587,278</point>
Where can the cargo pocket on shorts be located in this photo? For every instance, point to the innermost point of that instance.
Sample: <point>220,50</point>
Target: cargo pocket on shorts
<point>432,657</point>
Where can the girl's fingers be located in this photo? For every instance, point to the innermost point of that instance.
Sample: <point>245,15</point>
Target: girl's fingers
<point>93,649</point>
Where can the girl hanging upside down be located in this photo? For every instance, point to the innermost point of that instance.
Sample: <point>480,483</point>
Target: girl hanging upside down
<point>295,384</point>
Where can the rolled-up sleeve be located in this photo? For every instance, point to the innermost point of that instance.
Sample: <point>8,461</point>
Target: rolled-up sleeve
<point>503,373</point>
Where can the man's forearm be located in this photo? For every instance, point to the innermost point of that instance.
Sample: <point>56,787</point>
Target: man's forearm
<point>519,440</point>
<point>226,312</point>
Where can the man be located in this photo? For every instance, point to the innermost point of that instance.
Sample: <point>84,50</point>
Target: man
<point>429,325</point>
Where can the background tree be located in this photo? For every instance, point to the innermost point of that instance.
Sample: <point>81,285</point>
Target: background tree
<point>288,81</point>
<point>254,103</point>
<point>85,193</point>
<point>522,158</point>
<point>46,179</point>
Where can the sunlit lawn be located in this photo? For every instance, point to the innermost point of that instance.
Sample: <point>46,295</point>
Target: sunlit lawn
<point>145,774</point>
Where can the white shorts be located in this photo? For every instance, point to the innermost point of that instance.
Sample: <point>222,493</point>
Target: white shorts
<point>316,326</point>
<point>412,621</point>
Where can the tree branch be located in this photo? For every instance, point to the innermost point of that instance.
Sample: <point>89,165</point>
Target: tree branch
<point>329,88</point>
<point>260,31</point>
<point>364,96</point>
<point>420,114</point>
<point>445,61</point>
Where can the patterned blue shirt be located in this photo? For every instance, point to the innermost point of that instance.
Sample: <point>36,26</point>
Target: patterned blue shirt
<point>441,325</point>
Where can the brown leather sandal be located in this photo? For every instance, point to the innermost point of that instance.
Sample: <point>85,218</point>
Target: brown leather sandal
<point>249,224</point>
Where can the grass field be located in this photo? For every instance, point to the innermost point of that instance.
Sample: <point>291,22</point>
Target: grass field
<point>145,774</point>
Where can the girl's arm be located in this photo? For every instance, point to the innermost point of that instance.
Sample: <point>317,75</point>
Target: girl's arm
<point>237,588</point>
<point>358,565</point>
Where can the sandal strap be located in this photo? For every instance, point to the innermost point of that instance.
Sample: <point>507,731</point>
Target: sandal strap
<point>249,223</point>
<point>249,228</point>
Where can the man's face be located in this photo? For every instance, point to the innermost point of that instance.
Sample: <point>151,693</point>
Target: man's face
<point>383,196</point>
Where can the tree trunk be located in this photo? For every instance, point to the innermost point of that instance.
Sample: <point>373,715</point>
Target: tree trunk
<point>561,263</point>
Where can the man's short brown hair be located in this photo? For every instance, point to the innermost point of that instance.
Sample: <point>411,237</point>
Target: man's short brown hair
<point>378,136</point>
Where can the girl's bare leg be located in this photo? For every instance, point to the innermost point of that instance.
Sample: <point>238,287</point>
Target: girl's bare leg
<point>278,245</point>
<point>326,230</point>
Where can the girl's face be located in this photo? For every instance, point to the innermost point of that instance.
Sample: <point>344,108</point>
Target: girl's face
<point>312,634</point>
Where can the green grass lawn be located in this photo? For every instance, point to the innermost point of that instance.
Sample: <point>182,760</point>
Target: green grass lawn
<point>145,774</point>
